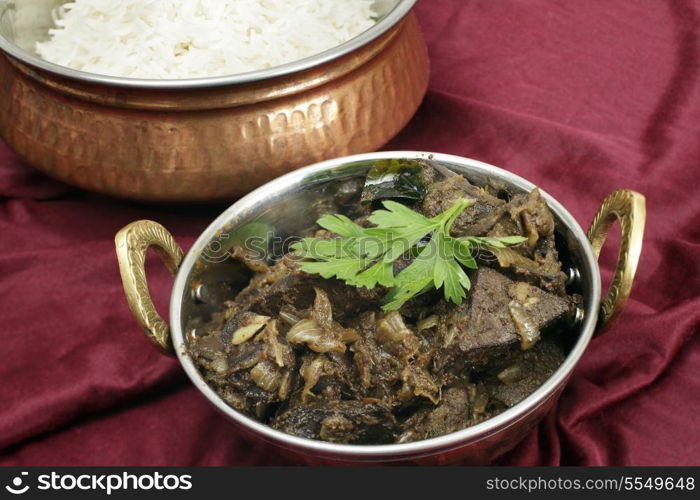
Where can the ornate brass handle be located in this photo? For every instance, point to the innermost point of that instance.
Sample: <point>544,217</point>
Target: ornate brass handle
<point>132,243</point>
<point>629,208</point>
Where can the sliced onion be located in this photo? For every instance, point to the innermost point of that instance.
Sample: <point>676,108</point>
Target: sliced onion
<point>450,336</point>
<point>322,310</point>
<point>529,333</point>
<point>219,363</point>
<point>521,291</point>
<point>266,376</point>
<point>245,333</point>
<point>304,331</point>
<point>270,336</point>
<point>250,329</point>
<point>421,383</point>
<point>511,374</point>
<point>434,394</point>
<point>427,323</point>
<point>285,385</point>
<point>507,257</point>
<point>480,399</point>
<point>522,294</point>
<point>531,229</point>
<point>311,372</point>
<point>349,335</point>
<point>531,302</point>
<point>392,328</point>
<point>289,318</point>
<point>308,332</point>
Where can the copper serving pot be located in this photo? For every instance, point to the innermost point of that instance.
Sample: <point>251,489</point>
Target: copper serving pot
<point>286,206</point>
<point>208,138</point>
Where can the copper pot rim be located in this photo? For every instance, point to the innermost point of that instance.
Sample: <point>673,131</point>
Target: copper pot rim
<point>385,24</point>
<point>188,99</point>
<point>458,439</point>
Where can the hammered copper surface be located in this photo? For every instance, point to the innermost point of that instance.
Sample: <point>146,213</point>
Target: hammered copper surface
<point>212,144</point>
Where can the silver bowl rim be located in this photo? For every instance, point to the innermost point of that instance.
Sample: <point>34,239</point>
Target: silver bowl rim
<point>391,19</point>
<point>374,452</point>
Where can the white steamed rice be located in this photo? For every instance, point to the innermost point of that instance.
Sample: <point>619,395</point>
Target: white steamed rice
<point>173,39</point>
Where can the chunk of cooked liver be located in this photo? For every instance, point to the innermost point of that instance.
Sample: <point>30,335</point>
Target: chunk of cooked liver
<point>483,326</point>
<point>537,260</point>
<point>457,409</point>
<point>379,371</point>
<point>385,364</point>
<point>477,219</point>
<point>512,380</point>
<point>351,422</point>
<point>284,285</point>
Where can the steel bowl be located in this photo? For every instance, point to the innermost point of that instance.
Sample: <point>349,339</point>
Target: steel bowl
<point>286,206</point>
<point>208,138</point>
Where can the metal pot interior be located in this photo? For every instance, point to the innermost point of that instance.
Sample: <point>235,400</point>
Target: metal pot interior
<point>281,209</point>
<point>23,23</point>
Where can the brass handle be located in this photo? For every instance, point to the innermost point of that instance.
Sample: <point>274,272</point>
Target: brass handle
<point>132,243</point>
<point>629,208</point>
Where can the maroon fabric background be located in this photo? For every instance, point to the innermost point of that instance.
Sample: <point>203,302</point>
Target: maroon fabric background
<point>580,97</point>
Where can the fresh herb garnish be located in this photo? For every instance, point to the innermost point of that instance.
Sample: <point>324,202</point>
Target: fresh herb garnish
<point>364,257</point>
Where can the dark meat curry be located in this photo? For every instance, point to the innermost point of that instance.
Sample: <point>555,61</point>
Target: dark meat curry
<point>320,358</point>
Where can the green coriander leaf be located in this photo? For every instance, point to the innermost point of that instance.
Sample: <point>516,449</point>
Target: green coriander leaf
<point>447,272</point>
<point>512,240</point>
<point>402,242</point>
<point>301,247</point>
<point>414,279</point>
<point>483,242</point>
<point>364,257</point>
<point>401,294</point>
<point>341,225</point>
<point>462,252</point>
<point>381,273</point>
<point>447,218</point>
<point>422,265</point>
<point>321,249</point>
<point>404,227</point>
<point>496,242</point>
<point>374,243</point>
<point>343,269</point>
<point>397,215</point>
